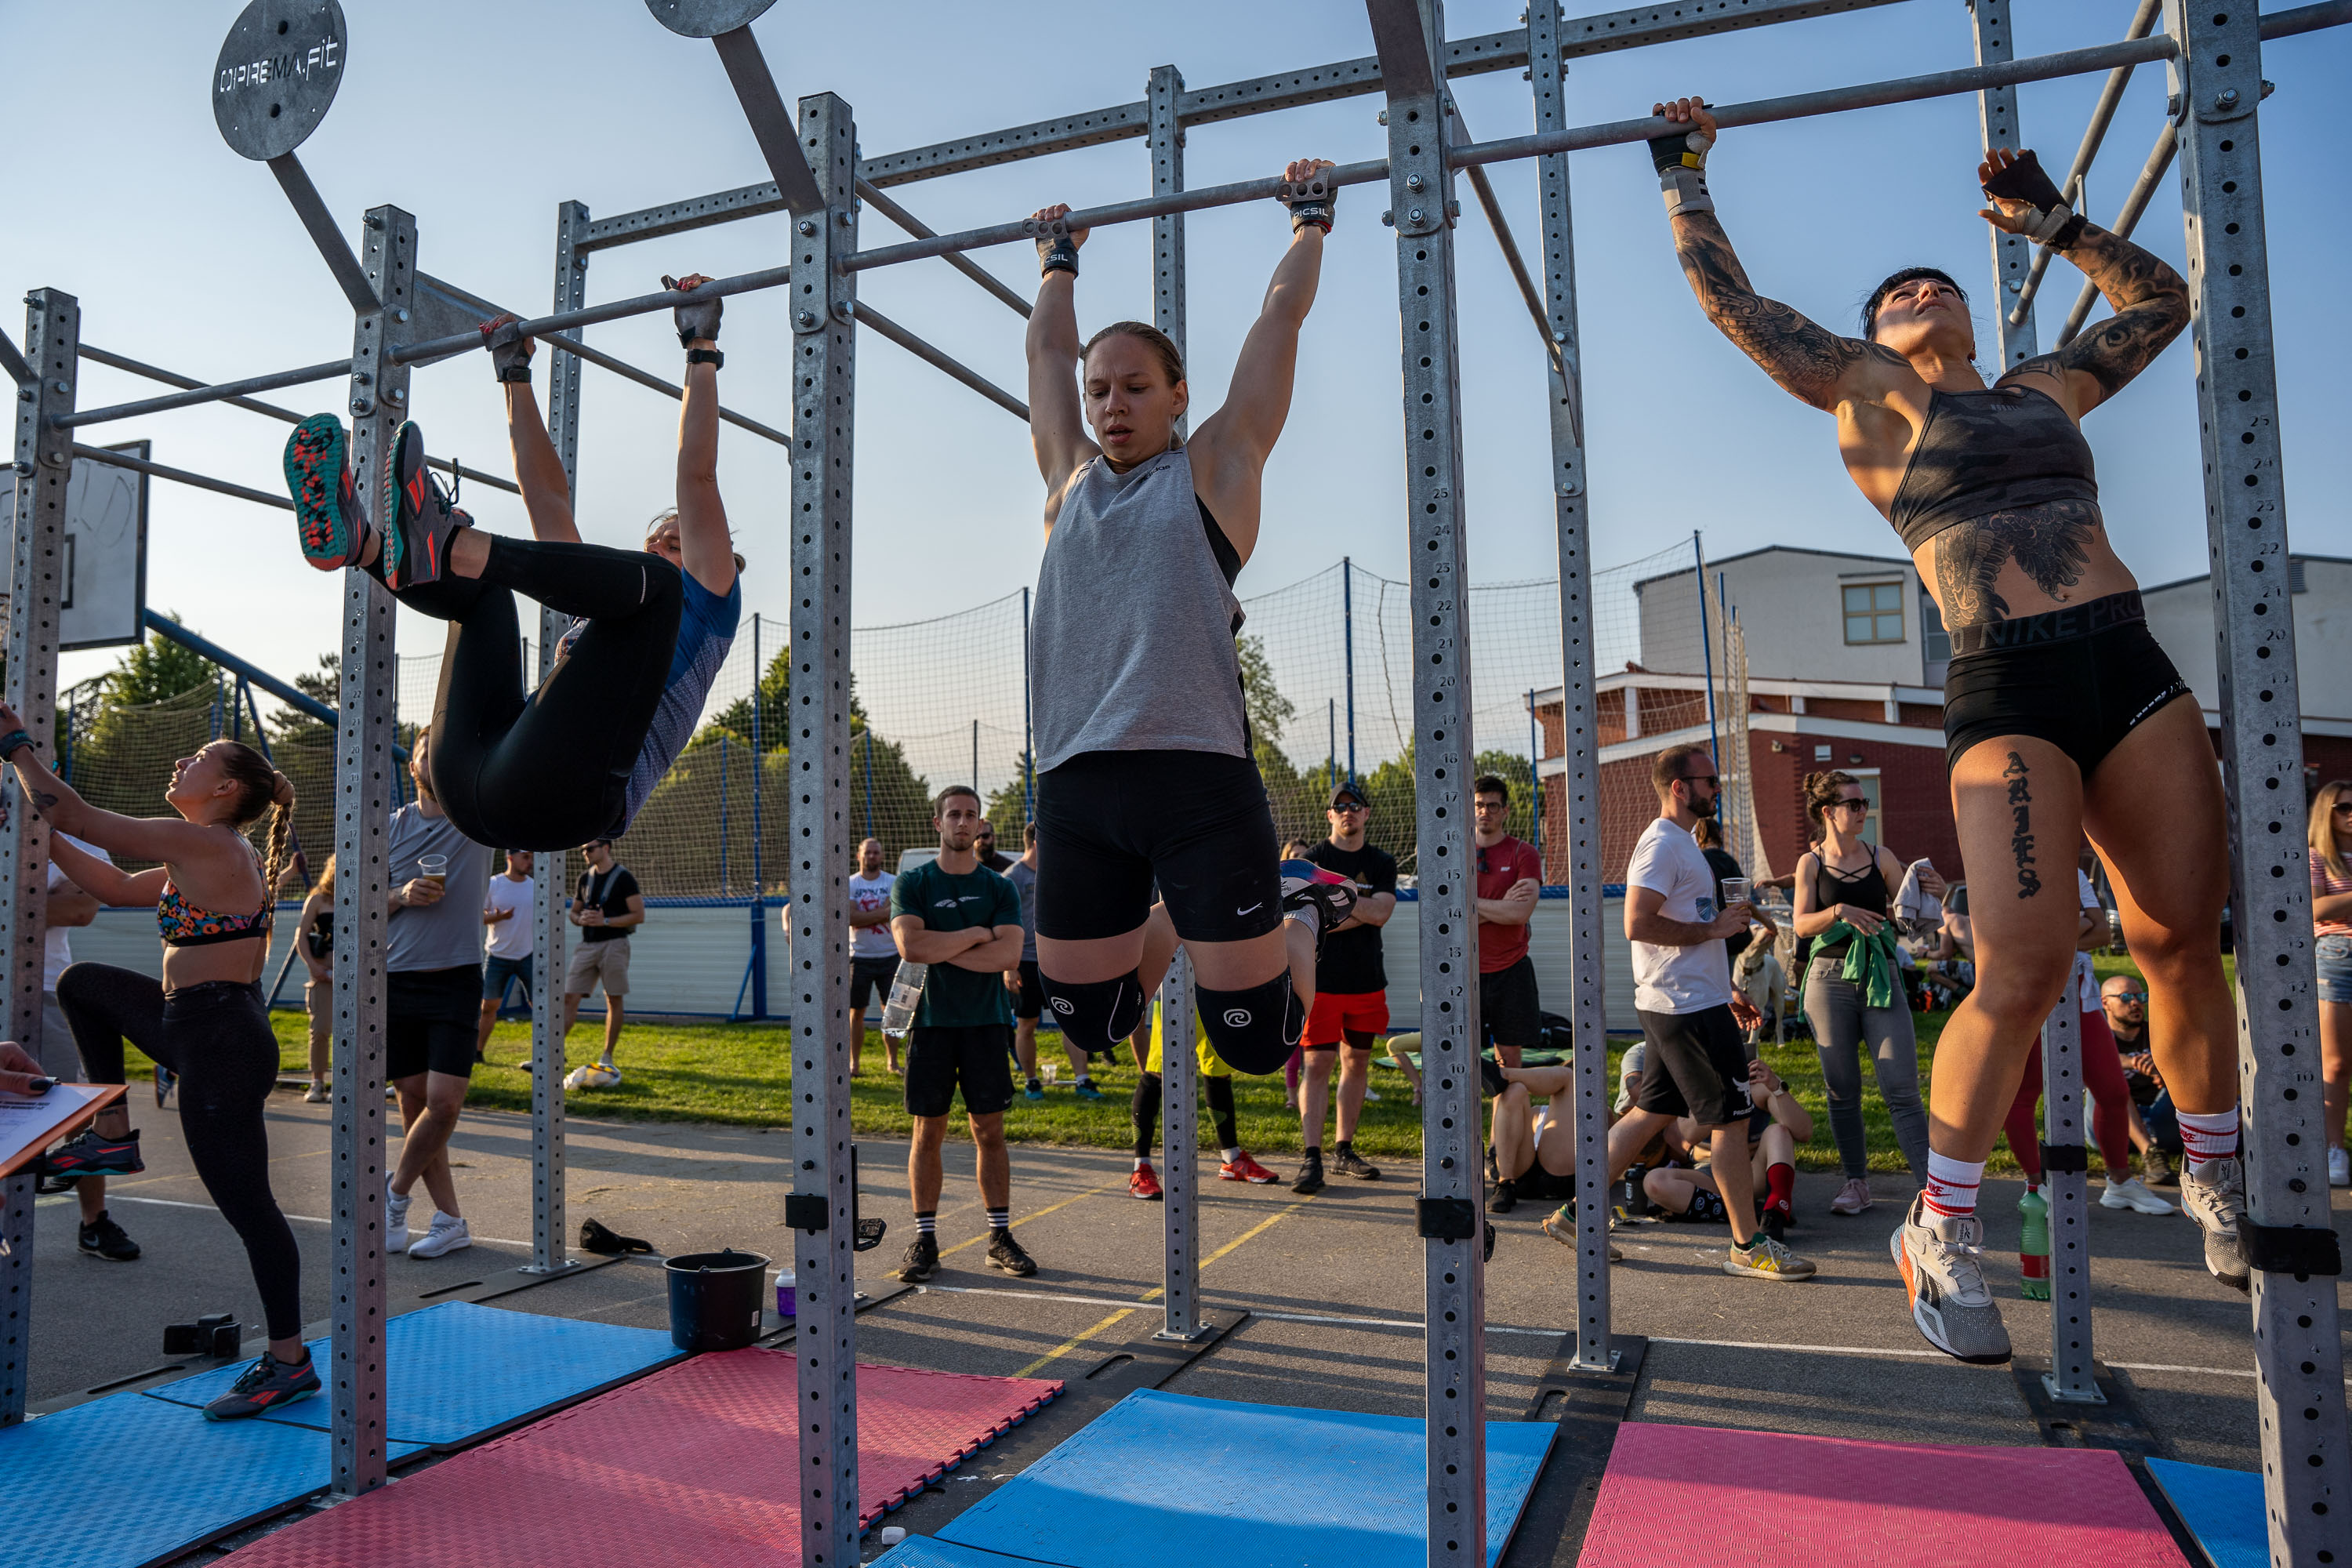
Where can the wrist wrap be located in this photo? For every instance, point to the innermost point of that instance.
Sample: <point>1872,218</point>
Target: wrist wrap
<point>1680,159</point>
<point>1312,200</point>
<point>2052,222</point>
<point>10,742</point>
<point>508,352</point>
<point>711,357</point>
<point>1058,255</point>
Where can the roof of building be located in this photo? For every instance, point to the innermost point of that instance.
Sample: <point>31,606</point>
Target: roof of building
<point>1781,550</point>
<point>2208,576</point>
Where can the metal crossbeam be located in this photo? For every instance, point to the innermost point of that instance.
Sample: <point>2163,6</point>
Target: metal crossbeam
<point>14,363</point>
<point>179,476</point>
<point>350,275</point>
<point>2012,254</point>
<point>772,123</point>
<point>873,197</point>
<point>2151,175</point>
<point>867,316</point>
<point>220,392</point>
<point>2103,114</point>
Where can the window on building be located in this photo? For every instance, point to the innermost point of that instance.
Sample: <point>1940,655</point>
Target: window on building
<point>1936,643</point>
<point>1874,612</point>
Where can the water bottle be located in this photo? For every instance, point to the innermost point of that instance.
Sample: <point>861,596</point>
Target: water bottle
<point>2034,1247</point>
<point>906,994</point>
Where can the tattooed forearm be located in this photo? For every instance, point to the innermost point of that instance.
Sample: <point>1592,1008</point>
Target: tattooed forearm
<point>42,801</point>
<point>1806,359</point>
<point>2020,836</point>
<point>2050,543</point>
<point>2151,306</point>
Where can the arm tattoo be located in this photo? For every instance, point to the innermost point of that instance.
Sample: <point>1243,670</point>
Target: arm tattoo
<point>2021,836</point>
<point>2050,543</point>
<point>1808,360</point>
<point>2151,306</point>
<point>42,801</point>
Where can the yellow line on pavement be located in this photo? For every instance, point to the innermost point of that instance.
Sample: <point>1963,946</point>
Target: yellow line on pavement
<point>1074,1340</point>
<point>1252,1232</point>
<point>1024,1220</point>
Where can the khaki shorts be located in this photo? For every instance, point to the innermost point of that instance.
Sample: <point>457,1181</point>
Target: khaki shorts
<point>590,962</point>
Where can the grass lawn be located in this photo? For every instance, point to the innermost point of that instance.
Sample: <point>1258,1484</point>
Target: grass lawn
<point>740,1074</point>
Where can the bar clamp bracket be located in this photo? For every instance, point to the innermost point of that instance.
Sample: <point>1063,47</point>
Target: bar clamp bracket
<point>1445,1219</point>
<point>2065,1157</point>
<point>807,1211</point>
<point>2302,1251</point>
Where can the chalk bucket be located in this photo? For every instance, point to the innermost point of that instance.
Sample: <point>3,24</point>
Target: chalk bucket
<point>714,1299</point>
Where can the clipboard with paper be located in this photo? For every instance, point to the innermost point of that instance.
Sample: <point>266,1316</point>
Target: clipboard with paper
<point>31,1122</point>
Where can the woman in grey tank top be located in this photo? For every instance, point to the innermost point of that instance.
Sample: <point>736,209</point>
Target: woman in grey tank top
<point>1145,777</point>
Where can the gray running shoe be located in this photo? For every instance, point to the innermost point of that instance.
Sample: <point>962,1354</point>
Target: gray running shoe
<point>2217,1201</point>
<point>1766,1258</point>
<point>1348,1163</point>
<point>1950,1302</point>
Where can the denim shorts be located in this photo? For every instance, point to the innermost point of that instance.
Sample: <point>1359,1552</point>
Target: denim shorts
<point>2335,955</point>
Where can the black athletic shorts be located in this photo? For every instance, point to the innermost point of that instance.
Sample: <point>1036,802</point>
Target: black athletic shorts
<point>1697,1066</point>
<point>431,1019</point>
<point>1509,1006</point>
<point>2081,678</point>
<point>976,1060</point>
<point>1109,823</point>
<point>870,976</point>
<point>1032,1000</point>
<point>1537,1183</point>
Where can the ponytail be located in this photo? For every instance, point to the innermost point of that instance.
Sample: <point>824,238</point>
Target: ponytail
<point>281,837</point>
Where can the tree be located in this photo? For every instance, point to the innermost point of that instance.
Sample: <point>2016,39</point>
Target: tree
<point>157,668</point>
<point>773,695</point>
<point>1270,712</point>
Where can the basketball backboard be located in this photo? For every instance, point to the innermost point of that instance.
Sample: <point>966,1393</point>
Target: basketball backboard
<point>102,598</point>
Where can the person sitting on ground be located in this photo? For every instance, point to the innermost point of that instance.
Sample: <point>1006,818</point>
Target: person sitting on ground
<point>1775,1127</point>
<point>872,956</point>
<point>314,944</point>
<point>1216,1081</point>
<point>64,907</point>
<point>508,913</point>
<point>1351,992</point>
<point>2124,999</point>
<point>608,906</point>
<point>575,759</point>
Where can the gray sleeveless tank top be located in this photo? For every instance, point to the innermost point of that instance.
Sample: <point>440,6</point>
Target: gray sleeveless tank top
<point>1131,643</point>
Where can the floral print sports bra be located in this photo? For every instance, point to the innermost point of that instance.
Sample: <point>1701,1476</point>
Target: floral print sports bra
<point>182,924</point>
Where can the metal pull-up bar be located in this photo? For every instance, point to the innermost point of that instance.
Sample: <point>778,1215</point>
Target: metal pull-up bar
<point>2102,114</point>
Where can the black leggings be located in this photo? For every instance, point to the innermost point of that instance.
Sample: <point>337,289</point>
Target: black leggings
<point>548,770</point>
<point>1218,1091</point>
<point>216,1037</point>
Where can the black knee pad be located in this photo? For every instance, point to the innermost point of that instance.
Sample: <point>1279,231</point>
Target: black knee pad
<point>1254,1030</point>
<point>1097,1015</point>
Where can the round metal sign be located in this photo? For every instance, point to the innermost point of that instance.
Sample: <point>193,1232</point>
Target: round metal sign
<point>706,18</point>
<point>277,75</point>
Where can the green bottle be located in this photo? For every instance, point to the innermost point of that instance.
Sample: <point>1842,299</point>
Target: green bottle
<point>2034,1247</point>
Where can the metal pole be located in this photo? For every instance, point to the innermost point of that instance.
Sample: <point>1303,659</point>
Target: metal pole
<point>2103,114</point>
<point>870,781</point>
<point>1028,724</point>
<point>1451,1215</point>
<point>2012,254</point>
<point>975,753</point>
<point>1164,95</point>
<point>1535,785</point>
<point>882,204</point>
<point>1705,646</point>
<point>2288,1235</point>
<point>825,349</point>
<point>758,964</point>
<point>723,823</point>
<point>43,458</point>
<point>1331,722</point>
<point>1579,774</point>
<point>1180,1167</point>
<point>2151,174</point>
<point>364,769</point>
<point>2070,1377</point>
<point>1347,650</point>
<point>219,392</point>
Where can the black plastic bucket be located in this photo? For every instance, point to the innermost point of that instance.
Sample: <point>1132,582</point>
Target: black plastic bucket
<point>714,1299</point>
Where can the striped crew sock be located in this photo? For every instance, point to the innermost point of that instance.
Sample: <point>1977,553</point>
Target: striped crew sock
<point>2207,1136</point>
<point>927,1221</point>
<point>1952,1186</point>
<point>999,1219</point>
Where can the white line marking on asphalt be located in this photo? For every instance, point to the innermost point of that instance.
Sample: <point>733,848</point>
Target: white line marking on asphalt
<point>2159,1366</point>
<point>304,1219</point>
<point>1254,1311</point>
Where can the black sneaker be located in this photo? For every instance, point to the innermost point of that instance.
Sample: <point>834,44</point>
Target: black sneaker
<point>922,1259</point>
<point>1493,1175</point>
<point>50,1186</point>
<point>1005,1254</point>
<point>1348,1163</point>
<point>1310,1174</point>
<point>1502,1197</point>
<point>418,519</point>
<point>102,1238</point>
<point>266,1385</point>
<point>1490,1078</point>
<point>88,1154</point>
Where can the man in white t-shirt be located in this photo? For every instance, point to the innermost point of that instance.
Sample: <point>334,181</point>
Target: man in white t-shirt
<point>67,906</point>
<point>873,956</point>
<point>507,910</point>
<point>1693,1021</point>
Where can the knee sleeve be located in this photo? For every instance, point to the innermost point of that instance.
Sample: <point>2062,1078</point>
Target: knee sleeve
<point>1254,1030</point>
<point>1097,1015</point>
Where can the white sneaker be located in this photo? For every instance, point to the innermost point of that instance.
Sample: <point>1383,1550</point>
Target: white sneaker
<point>2133,1193</point>
<point>317,1095</point>
<point>1939,1261</point>
<point>2339,1168</point>
<point>396,1220</point>
<point>2217,1201</point>
<point>447,1235</point>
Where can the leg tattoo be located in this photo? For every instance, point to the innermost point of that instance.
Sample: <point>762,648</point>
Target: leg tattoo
<point>2021,835</point>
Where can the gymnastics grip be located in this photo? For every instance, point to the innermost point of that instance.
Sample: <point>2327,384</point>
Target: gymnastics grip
<point>1057,252</point>
<point>698,319</point>
<point>1313,200</point>
<point>1680,158</point>
<point>2052,222</point>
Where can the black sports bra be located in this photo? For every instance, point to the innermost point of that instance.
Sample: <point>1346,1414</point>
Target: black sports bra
<point>1864,890</point>
<point>2000,449</point>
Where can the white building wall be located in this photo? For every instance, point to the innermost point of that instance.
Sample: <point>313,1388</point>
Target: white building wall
<point>1789,606</point>
<point>2180,615</point>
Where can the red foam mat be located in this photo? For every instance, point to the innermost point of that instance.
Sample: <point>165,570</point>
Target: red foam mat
<point>1676,1495</point>
<point>697,1464</point>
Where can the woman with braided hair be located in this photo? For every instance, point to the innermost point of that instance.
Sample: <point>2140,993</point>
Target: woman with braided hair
<point>2061,714</point>
<point>206,1020</point>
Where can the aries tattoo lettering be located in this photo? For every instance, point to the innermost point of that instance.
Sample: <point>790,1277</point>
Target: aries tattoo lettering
<point>2020,836</point>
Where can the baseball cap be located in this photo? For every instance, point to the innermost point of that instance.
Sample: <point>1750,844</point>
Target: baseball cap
<point>1347,790</point>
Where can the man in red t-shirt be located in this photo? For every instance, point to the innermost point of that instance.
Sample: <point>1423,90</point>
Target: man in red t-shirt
<point>1510,879</point>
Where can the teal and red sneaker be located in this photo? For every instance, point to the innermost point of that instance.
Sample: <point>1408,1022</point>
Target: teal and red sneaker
<point>1306,885</point>
<point>88,1154</point>
<point>418,519</point>
<point>326,507</point>
<point>263,1387</point>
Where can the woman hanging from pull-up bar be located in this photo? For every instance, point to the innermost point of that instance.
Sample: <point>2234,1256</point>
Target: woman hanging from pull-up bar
<point>573,760</point>
<point>1144,770</point>
<point>2061,714</point>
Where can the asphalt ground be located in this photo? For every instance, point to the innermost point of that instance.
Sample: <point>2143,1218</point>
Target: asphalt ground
<point>1331,1287</point>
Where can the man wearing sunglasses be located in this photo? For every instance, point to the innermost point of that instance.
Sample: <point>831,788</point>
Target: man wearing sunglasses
<point>2124,999</point>
<point>1352,991</point>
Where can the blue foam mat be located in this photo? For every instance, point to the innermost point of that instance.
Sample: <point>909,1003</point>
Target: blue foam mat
<point>1166,1477</point>
<point>126,1479</point>
<point>930,1551</point>
<point>2222,1509</point>
<point>455,1371</point>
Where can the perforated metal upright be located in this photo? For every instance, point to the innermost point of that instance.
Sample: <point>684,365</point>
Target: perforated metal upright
<point>1163,96</point>
<point>2307,1470</point>
<point>550,873</point>
<point>1180,1119</point>
<point>365,762</point>
<point>824,349</point>
<point>2012,254</point>
<point>1579,787</point>
<point>2065,1175</point>
<point>1451,1213</point>
<point>36,543</point>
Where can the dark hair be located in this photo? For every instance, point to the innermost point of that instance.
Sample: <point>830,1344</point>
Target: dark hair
<point>1908,275</point>
<point>1666,767</point>
<point>1491,783</point>
<point>1170,360</point>
<point>1029,833</point>
<point>261,788</point>
<point>1708,833</point>
<point>940,804</point>
<point>1821,792</point>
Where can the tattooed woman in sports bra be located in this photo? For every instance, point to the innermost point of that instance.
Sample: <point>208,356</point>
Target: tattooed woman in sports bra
<point>2061,714</point>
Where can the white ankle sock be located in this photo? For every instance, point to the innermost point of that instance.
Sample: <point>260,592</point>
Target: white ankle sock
<point>2207,1136</point>
<point>1952,1186</point>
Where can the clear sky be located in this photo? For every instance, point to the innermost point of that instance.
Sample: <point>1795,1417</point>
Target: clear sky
<point>480,118</point>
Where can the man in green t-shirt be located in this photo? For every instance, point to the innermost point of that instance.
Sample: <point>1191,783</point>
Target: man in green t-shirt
<point>964,921</point>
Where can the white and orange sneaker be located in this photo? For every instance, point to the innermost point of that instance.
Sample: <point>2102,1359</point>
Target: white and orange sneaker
<point>1939,1259</point>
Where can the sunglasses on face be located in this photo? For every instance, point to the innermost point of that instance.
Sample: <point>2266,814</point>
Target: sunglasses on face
<point>1706,779</point>
<point>1852,802</point>
<point>2131,995</point>
<point>2344,805</point>
<point>1350,807</point>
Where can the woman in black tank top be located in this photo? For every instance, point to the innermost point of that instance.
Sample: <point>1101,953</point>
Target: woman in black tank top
<point>2062,714</point>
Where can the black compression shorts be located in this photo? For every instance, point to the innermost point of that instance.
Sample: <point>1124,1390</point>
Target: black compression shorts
<point>1110,823</point>
<point>2081,679</point>
<point>1031,1003</point>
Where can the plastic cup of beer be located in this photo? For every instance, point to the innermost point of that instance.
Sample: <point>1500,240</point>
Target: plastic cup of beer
<point>433,868</point>
<point>1736,891</point>
<point>1052,1073</point>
